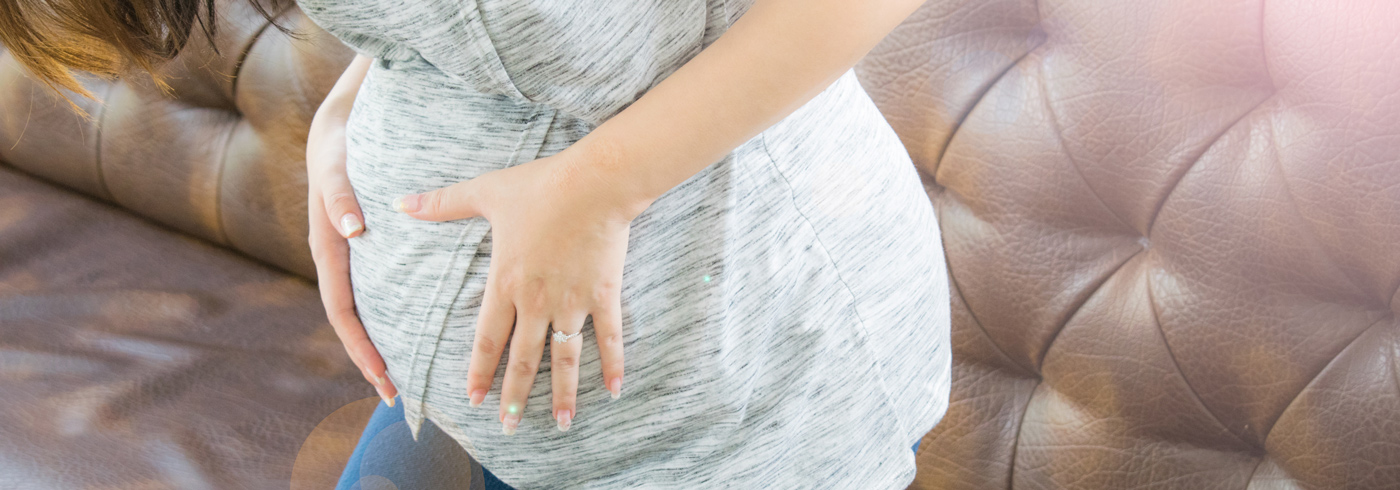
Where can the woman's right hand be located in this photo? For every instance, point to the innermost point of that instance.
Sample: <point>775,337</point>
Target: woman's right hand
<point>334,217</point>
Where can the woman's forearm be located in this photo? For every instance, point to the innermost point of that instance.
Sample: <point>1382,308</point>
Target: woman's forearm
<point>776,57</point>
<point>331,117</point>
<point>342,95</point>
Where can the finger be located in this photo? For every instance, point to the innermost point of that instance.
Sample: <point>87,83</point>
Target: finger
<point>526,350</point>
<point>607,331</point>
<point>457,201</point>
<point>342,208</point>
<point>495,320</point>
<point>332,257</point>
<point>563,358</point>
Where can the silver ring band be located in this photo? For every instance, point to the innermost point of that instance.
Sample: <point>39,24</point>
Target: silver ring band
<point>560,337</point>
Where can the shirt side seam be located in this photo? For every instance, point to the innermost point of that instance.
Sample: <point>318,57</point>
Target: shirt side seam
<point>816,237</point>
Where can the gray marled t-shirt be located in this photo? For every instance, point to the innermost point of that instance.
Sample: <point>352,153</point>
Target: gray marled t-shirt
<point>785,310</point>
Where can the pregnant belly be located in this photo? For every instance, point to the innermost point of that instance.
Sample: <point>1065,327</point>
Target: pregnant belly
<point>740,347</point>
<point>413,129</point>
<point>736,326</point>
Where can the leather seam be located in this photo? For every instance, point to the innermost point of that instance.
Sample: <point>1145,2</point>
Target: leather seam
<point>1016,443</point>
<point>982,95</point>
<point>1170,189</point>
<point>1307,224</point>
<point>220,231</point>
<point>220,228</point>
<point>243,56</point>
<point>948,143</point>
<point>1171,355</point>
<point>1073,164</point>
<point>938,165</point>
<point>955,288</point>
<point>1016,440</point>
<point>1324,369</point>
<point>1394,375</point>
<point>1078,306</point>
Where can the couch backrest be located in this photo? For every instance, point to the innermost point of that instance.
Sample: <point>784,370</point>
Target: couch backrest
<point>223,159</point>
<point>1174,234</point>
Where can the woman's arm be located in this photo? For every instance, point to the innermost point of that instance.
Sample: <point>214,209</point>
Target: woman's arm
<point>334,215</point>
<point>774,59</point>
<point>325,149</point>
<point>335,109</point>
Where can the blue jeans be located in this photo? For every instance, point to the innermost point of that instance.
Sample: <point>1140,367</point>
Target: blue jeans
<point>387,453</point>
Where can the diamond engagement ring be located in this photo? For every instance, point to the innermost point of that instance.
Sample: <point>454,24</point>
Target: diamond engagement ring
<point>561,338</point>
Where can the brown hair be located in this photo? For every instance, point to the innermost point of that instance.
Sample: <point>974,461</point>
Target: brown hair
<point>108,38</point>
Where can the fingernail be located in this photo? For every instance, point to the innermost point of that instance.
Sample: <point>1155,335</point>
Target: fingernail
<point>406,204</point>
<point>388,400</point>
<point>615,386</point>
<point>508,425</point>
<point>477,397</point>
<point>564,418</point>
<point>349,224</point>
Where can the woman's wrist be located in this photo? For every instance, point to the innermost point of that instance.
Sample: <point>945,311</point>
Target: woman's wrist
<point>335,107</point>
<point>327,122</point>
<point>598,161</point>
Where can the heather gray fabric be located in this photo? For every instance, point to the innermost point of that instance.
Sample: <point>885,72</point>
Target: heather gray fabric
<point>785,310</point>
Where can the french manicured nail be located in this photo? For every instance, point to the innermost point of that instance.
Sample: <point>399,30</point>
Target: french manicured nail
<point>615,386</point>
<point>477,397</point>
<point>387,399</point>
<point>406,204</point>
<point>508,425</point>
<point>349,224</point>
<point>379,383</point>
<point>565,417</point>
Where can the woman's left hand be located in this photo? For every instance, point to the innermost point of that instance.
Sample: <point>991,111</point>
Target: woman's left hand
<point>559,228</point>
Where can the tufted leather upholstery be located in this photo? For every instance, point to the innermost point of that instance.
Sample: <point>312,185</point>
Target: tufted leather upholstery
<point>132,356</point>
<point>222,160</point>
<point>1172,229</point>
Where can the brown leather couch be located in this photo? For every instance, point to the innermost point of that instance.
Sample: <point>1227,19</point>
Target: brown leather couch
<point>1173,230</point>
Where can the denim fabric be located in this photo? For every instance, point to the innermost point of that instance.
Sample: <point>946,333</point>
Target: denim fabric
<point>386,453</point>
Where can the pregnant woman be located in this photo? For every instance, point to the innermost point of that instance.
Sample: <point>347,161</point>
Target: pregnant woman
<point>515,201</point>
